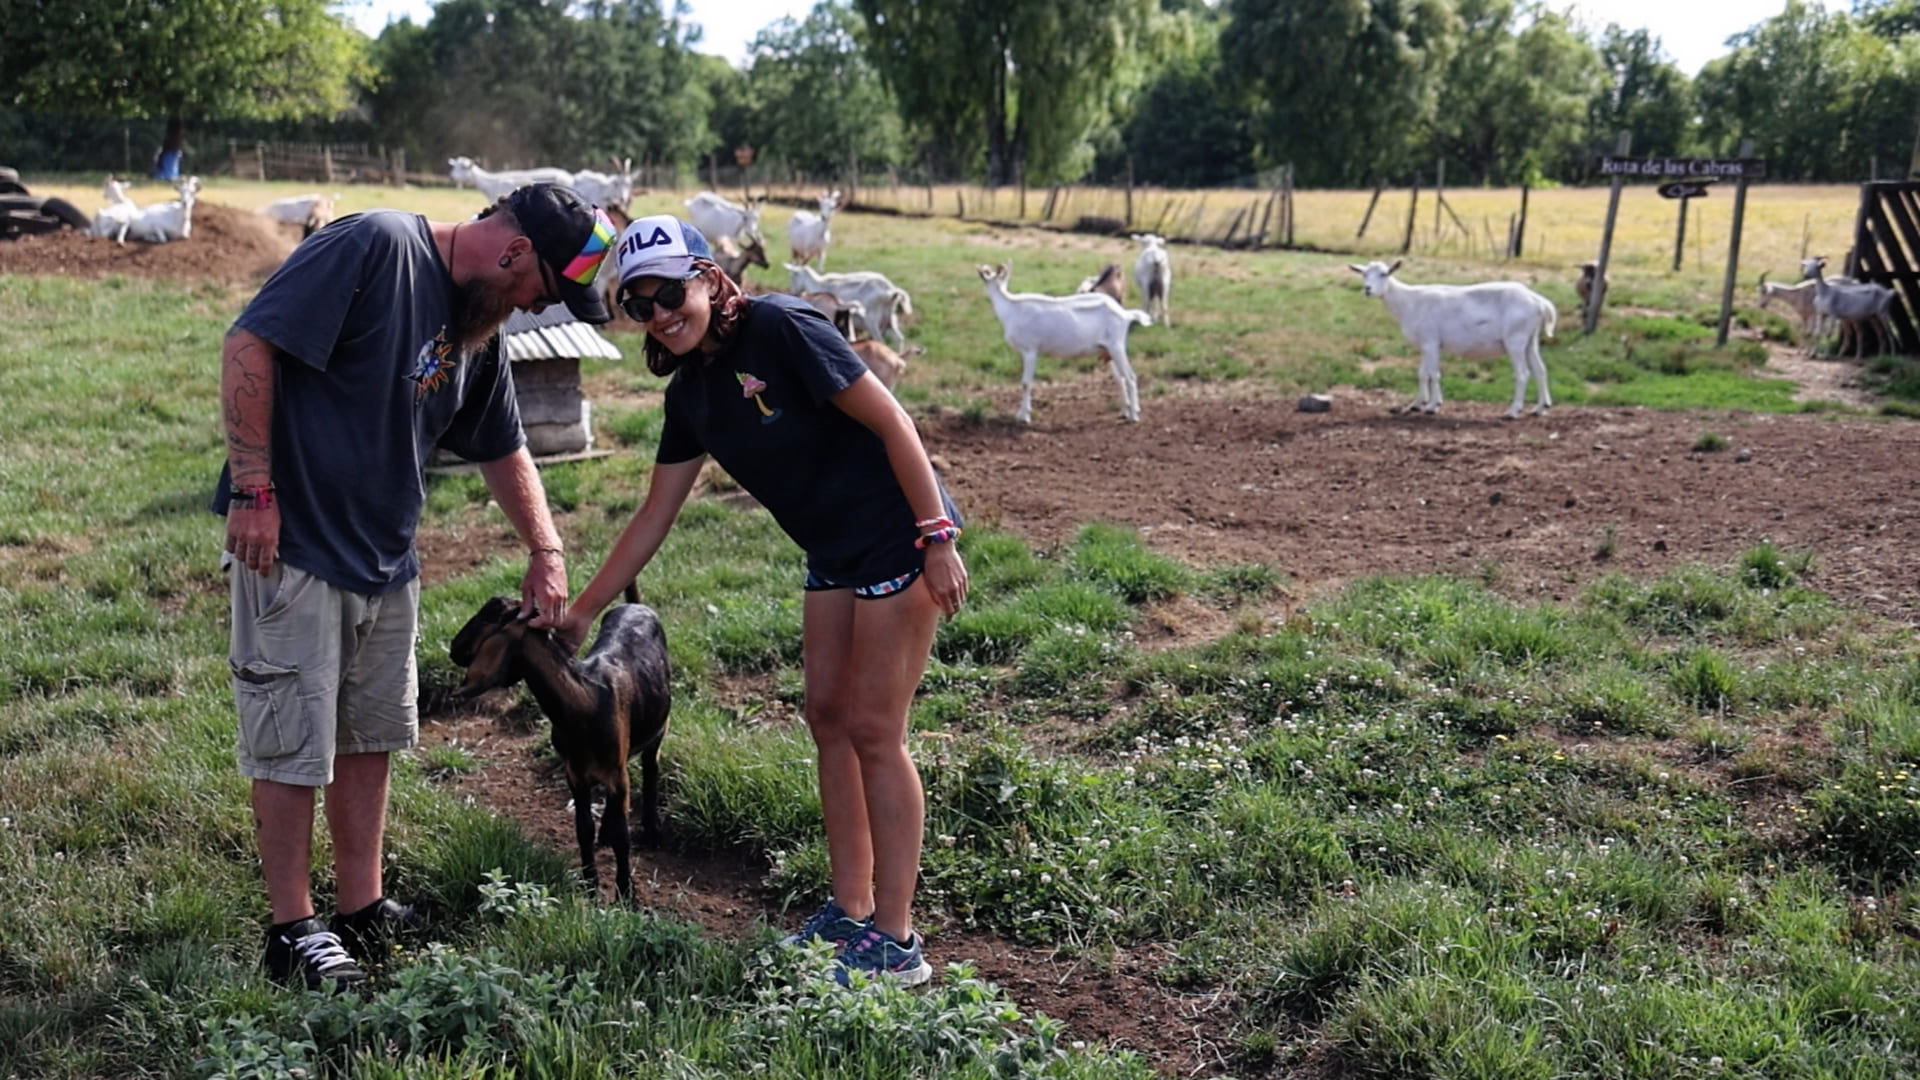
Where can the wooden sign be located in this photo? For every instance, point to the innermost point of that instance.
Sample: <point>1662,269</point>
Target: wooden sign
<point>1684,168</point>
<point>1686,189</point>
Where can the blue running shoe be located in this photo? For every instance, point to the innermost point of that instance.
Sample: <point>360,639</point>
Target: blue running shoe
<point>830,924</point>
<point>881,956</point>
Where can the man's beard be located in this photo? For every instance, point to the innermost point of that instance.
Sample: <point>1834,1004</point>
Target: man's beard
<point>478,311</point>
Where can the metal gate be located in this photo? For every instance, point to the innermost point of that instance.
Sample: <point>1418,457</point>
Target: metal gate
<point>1886,251</point>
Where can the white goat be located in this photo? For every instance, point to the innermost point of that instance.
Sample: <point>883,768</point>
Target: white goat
<point>808,234</point>
<point>1084,324</point>
<point>310,212</point>
<point>1468,320</point>
<point>115,218</point>
<point>613,189</point>
<point>1834,302</point>
<point>883,304</point>
<point>495,185</point>
<point>168,221</point>
<point>716,216</point>
<point>1153,272</point>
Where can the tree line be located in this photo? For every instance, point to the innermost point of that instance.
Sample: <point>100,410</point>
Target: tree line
<point>1169,92</point>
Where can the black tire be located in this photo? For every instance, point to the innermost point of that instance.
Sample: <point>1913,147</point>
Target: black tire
<point>68,214</point>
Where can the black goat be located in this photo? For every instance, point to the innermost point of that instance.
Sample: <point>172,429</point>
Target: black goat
<point>604,708</point>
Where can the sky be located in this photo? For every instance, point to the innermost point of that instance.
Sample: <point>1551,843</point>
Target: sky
<point>1692,31</point>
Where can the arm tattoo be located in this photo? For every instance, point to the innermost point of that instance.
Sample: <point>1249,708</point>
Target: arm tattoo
<point>248,388</point>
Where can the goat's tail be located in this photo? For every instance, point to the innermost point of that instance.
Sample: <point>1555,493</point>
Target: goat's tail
<point>1136,315</point>
<point>904,302</point>
<point>1549,315</point>
<point>633,592</point>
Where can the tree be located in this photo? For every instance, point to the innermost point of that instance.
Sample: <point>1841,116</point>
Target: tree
<point>1347,90</point>
<point>1022,81</point>
<point>1515,98</point>
<point>528,82</point>
<point>1820,94</point>
<point>1644,93</point>
<point>1187,129</point>
<point>816,96</point>
<point>177,59</point>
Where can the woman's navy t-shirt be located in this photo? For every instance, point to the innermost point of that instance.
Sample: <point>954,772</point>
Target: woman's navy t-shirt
<point>761,408</point>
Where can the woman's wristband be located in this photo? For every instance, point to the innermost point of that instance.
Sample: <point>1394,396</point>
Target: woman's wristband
<point>548,551</point>
<point>944,535</point>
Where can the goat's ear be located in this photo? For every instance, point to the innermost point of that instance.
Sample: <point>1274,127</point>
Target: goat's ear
<point>1356,268</point>
<point>1395,266</point>
<point>1005,269</point>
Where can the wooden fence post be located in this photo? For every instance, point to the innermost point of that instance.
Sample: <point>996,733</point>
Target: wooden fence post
<point>1519,242</point>
<point>1439,193</point>
<point>1733,248</point>
<point>1129,191</point>
<point>1413,208</point>
<point>1597,295</point>
<point>1371,203</point>
<point>1680,236</point>
<point>1286,202</point>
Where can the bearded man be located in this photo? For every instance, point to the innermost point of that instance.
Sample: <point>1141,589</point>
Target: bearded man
<point>376,342</point>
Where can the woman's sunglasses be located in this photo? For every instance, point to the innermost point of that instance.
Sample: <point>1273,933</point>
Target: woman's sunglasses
<point>640,308</point>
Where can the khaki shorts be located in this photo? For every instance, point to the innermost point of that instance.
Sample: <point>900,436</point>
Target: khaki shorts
<point>319,671</point>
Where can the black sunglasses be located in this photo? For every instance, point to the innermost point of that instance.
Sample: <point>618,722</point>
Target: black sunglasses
<point>640,308</point>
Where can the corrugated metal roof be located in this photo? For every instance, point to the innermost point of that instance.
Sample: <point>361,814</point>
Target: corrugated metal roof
<point>553,334</point>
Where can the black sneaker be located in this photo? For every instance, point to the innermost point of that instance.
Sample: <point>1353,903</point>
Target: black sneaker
<point>371,932</point>
<point>306,951</point>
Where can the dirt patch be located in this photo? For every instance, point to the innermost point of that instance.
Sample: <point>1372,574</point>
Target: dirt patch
<point>1541,505</point>
<point>1820,380</point>
<point>233,247</point>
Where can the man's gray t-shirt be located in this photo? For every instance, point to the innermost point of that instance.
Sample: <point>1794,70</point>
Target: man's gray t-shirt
<point>368,384</point>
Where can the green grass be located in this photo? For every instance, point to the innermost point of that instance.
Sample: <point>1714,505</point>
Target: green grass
<point>1416,829</point>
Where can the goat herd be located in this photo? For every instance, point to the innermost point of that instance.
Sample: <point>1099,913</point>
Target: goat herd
<point>1468,320</point>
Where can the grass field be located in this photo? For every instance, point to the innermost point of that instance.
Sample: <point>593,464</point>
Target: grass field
<point>1295,321</point>
<point>1668,829</point>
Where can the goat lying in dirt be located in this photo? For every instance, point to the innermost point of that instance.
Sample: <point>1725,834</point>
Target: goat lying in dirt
<point>604,708</point>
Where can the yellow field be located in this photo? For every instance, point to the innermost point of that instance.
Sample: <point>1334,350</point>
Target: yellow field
<point>1563,225</point>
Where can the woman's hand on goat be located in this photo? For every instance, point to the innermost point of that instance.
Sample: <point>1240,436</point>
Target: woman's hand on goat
<point>253,536</point>
<point>543,592</point>
<point>569,627</point>
<point>946,578</point>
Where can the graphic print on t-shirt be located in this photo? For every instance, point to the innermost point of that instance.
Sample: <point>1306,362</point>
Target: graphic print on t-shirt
<point>433,367</point>
<point>753,388</point>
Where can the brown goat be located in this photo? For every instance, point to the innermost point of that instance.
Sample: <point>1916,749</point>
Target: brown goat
<point>604,708</point>
<point>842,313</point>
<point>886,365</point>
<point>1109,280</point>
<point>1584,286</point>
<point>734,259</point>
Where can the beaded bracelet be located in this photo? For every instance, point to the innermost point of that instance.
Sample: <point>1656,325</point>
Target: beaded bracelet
<point>939,536</point>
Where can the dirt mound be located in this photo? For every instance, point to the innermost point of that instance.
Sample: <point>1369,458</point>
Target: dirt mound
<point>233,247</point>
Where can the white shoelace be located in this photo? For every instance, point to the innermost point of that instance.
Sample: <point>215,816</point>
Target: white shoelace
<point>322,950</point>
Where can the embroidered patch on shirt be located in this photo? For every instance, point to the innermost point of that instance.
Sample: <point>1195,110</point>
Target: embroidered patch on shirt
<point>751,387</point>
<point>433,367</point>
